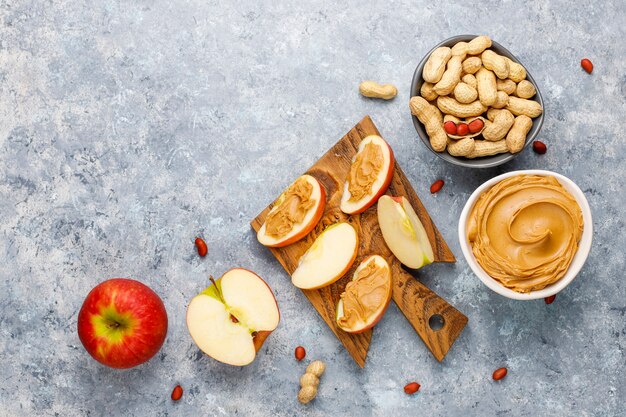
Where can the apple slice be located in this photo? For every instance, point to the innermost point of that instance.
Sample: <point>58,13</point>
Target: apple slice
<point>366,297</point>
<point>295,213</point>
<point>403,232</point>
<point>369,177</point>
<point>230,320</point>
<point>328,259</point>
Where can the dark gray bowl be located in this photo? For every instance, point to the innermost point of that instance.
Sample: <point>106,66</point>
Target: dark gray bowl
<point>487,161</point>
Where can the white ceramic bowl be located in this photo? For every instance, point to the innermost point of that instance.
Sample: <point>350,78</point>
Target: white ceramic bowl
<point>577,263</point>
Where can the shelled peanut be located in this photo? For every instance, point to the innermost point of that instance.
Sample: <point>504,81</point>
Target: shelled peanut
<point>475,102</point>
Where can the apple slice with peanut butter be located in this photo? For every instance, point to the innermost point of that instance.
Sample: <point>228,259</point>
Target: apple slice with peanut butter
<point>294,214</point>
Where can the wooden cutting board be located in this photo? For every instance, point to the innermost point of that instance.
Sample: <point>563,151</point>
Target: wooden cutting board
<point>419,304</point>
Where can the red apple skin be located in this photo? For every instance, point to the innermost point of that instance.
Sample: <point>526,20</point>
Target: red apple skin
<point>382,312</point>
<point>314,220</point>
<point>397,199</point>
<point>383,189</point>
<point>122,323</point>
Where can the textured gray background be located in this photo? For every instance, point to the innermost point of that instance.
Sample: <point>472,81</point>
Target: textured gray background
<point>128,127</point>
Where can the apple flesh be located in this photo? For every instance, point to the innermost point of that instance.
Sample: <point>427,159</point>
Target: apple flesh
<point>230,320</point>
<point>378,187</point>
<point>374,318</point>
<point>300,230</point>
<point>403,232</point>
<point>328,259</point>
<point>122,323</point>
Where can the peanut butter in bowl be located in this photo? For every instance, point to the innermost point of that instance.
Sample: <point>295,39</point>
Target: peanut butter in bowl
<point>525,231</point>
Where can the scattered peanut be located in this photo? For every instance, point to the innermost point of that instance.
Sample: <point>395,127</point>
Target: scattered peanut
<point>516,137</point>
<point>517,72</point>
<point>470,80</point>
<point>499,373</point>
<point>472,64</point>
<point>428,92</point>
<point>436,64</point>
<point>491,113</point>
<point>201,247</point>
<point>462,129</point>
<point>486,148</point>
<point>310,381</point>
<point>374,90</point>
<point>460,49</point>
<point>177,393</point>
<point>499,126</point>
<point>451,118</point>
<point>450,77</point>
<point>525,89</point>
<point>462,147</point>
<point>449,105</point>
<point>429,116</point>
<point>496,63</point>
<point>487,91</point>
<point>508,86</point>
<point>299,353</point>
<point>464,93</point>
<point>477,45</point>
<point>436,186</point>
<point>587,65</point>
<point>307,394</point>
<point>502,100</point>
<point>450,127</point>
<point>519,106</point>
<point>476,125</point>
<point>550,299</point>
<point>316,368</point>
<point>411,388</point>
<point>539,147</point>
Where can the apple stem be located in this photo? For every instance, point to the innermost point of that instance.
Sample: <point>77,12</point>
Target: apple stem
<point>113,325</point>
<point>217,289</point>
<point>219,294</point>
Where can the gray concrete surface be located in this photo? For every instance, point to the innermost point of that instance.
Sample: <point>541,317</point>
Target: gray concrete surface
<point>128,127</point>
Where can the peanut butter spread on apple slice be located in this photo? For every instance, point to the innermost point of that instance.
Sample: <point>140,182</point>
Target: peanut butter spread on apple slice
<point>291,209</point>
<point>364,171</point>
<point>525,230</point>
<point>365,295</point>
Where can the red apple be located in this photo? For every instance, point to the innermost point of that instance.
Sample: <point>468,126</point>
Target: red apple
<point>122,323</point>
<point>379,186</point>
<point>299,230</point>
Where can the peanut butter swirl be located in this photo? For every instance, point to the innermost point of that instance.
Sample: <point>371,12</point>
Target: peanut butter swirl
<point>291,209</point>
<point>364,171</point>
<point>365,295</point>
<point>524,231</point>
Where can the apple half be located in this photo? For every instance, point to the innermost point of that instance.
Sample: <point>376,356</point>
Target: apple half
<point>302,228</point>
<point>403,232</point>
<point>230,320</point>
<point>381,182</point>
<point>366,297</point>
<point>328,259</point>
